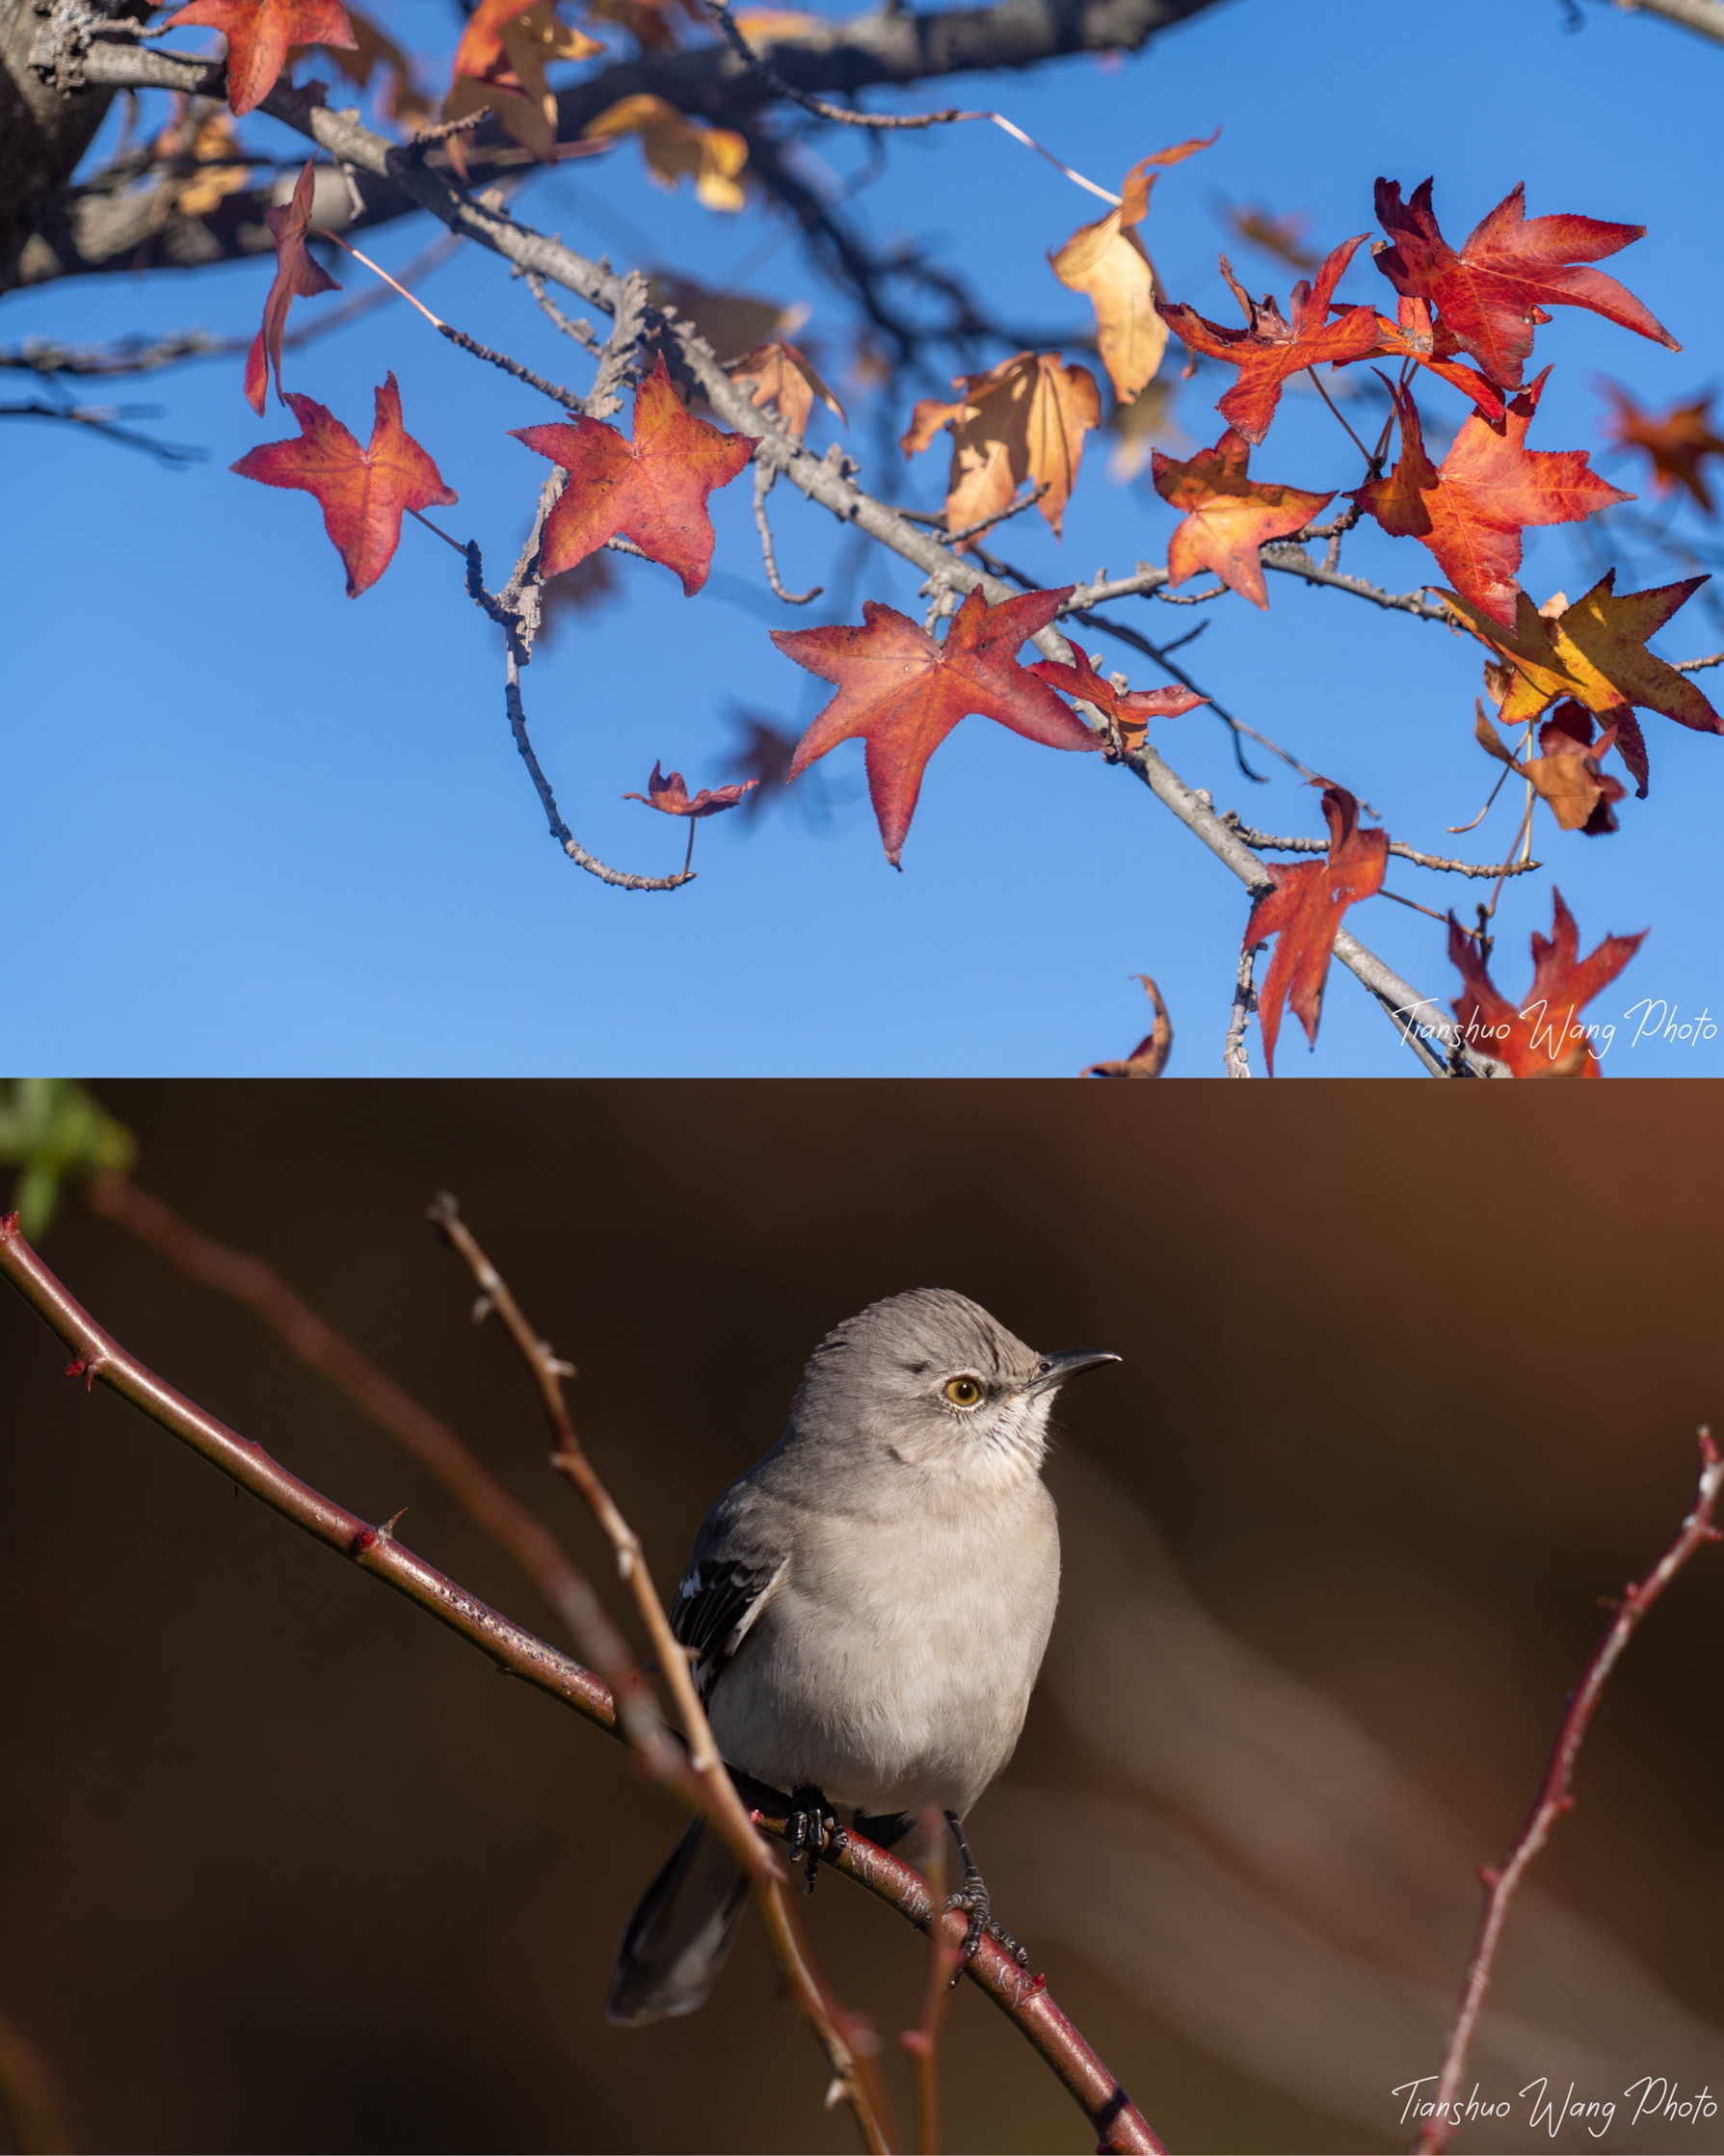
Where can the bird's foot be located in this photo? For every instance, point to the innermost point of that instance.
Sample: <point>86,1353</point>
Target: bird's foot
<point>811,1829</point>
<point>974,1901</point>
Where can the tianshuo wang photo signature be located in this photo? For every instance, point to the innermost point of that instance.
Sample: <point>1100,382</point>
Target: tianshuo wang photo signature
<point>1559,1032</point>
<point>1652,2097</point>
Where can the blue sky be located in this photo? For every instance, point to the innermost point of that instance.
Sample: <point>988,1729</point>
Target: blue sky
<point>261,828</point>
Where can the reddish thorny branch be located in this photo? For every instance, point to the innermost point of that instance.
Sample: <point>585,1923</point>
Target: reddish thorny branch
<point>95,1354</point>
<point>1555,1796</point>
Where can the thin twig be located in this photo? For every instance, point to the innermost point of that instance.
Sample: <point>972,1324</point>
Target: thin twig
<point>946,1954</point>
<point>97,1354</point>
<point>936,521</point>
<point>850,2062</point>
<point>102,419</point>
<point>1695,666</point>
<point>764,475</point>
<point>1554,1796</point>
<point>583,333</point>
<point>312,1341</point>
<point>1261,842</point>
<point>818,106</point>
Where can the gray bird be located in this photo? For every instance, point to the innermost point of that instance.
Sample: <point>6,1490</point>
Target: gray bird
<point>865,1611</point>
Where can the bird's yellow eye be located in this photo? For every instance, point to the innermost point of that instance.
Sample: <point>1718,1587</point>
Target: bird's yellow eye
<point>963,1392</point>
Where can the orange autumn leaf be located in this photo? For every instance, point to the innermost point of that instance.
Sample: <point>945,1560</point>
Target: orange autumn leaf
<point>1269,349</point>
<point>1676,442</point>
<point>786,378</point>
<point>297,277</point>
<point>677,148</point>
<point>902,693</point>
<point>651,490</point>
<point>1544,1037</point>
<point>1108,263</point>
<point>1023,419</point>
<point>500,61</point>
<point>1594,651</point>
<point>1471,510</point>
<point>259,34</point>
<point>1228,514</point>
<point>1302,913</point>
<point>363,493</point>
<point>1129,709</point>
<point>1511,271</point>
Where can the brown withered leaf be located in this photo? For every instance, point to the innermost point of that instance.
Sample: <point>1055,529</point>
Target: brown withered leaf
<point>667,792</point>
<point>500,61</point>
<point>784,377</point>
<point>1148,1058</point>
<point>1108,262</point>
<point>1565,774</point>
<point>1023,419</point>
<point>1258,226</point>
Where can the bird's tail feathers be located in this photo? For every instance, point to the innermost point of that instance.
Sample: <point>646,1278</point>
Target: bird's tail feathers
<point>675,1942</point>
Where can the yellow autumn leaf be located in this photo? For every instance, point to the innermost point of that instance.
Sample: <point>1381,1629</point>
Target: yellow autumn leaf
<point>1108,262</point>
<point>675,145</point>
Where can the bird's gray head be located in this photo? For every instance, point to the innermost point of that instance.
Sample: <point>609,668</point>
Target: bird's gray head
<point>932,1380</point>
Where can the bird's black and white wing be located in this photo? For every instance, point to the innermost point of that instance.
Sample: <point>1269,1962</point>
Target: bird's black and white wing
<point>732,1573</point>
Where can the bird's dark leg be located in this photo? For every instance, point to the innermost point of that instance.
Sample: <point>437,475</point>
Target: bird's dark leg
<point>974,1900</point>
<point>811,1828</point>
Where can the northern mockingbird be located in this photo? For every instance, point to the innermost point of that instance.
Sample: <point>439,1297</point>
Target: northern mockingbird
<point>866,1610</point>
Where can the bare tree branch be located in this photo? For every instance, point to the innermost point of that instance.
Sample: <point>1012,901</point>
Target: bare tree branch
<point>1554,1796</point>
<point>1261,841</point>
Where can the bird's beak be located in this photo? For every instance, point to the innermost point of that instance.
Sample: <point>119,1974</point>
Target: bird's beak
<point>1070,1362</point>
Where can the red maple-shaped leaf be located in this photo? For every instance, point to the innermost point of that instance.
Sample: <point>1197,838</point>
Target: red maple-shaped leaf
<point>670,794</point>
<point>1511,271</point>
<point>1228,514</point>
<point>1129,709</point>
<point>902,693</point>
<point>297,277</point>
<point>652,490</point>
<point>260,32</point>
<point>1269,349</point>
<point>363,493</point>
<point>1472,511</point>
<point>1543,1037</point>
<point>1304,910</point>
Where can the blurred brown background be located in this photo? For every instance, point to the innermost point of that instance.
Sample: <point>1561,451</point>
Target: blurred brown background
<point>1412,1377</point>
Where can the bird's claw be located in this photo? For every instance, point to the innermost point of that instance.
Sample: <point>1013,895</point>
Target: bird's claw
<point>973,1899</point>
<point>811,1829</point>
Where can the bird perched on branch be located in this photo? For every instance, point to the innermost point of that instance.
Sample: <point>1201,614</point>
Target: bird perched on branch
<point>866,1610</point>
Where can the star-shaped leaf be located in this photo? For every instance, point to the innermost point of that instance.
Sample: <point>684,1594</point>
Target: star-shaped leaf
<point>652,490</point>
<point>1594,651</point>
<point>1304,910</point>
<point>1269,349</point>
<point>1108,262</point>
<point>1023,419</point>
<point>1677,442</point>
<point>902,693</point>
<point>363,493</point>
<point>1565,774</point>
<point>1545,1036</point>
<point>1512,269</point>
<point>669,793</point>
<point>297,277</point>
<point>1129,709</point>
<point>1470,512</point>
<point>1228,514</point>
<point>259,34</point>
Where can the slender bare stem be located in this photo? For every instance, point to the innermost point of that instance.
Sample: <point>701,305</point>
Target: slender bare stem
<point>838,2032</point>
<point>1234,1060</point>
<point>1554,1796</point>
<point>946,1954</point>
